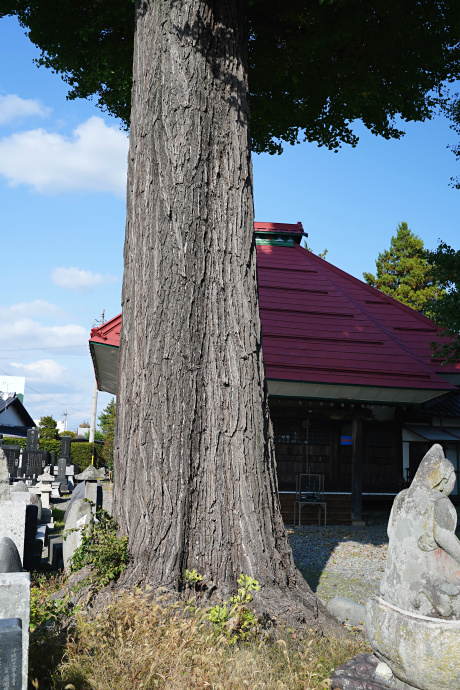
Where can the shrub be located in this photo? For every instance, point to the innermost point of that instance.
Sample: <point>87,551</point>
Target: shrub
<point>81,454</point>
<point>10,441</point>
<point>102,550</point>
<point>50,444</point>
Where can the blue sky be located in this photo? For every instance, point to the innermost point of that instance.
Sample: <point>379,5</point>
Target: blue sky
<point>62,200</point>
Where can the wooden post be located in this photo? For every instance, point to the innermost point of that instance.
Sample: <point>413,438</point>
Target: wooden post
<point>357,473</point>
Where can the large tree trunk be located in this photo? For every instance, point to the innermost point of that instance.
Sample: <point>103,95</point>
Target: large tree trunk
<point>195,481</point>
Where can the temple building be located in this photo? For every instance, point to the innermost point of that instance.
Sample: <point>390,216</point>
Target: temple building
<point>355,393</point>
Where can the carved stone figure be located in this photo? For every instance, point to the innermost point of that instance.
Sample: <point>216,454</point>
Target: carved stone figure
<point>414,627</point>
<point>422,574</point>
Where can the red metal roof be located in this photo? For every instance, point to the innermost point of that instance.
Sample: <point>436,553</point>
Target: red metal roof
<point>322,325</point>
<point>108,333</point>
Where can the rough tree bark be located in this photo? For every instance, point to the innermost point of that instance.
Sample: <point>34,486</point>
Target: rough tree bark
<point>195,481</point>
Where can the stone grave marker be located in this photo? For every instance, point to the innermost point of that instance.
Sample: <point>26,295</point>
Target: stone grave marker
<point>78,520</point>
<point>4,479</point>
<point>10,561</point>
<point>61,475</point>
<point>35,462</point>
<point>10,654</point>
<point>32,546</point>
<point>12,459</point>
<point>15,603</point>
<point>65,448</point>
<point>32,439</point>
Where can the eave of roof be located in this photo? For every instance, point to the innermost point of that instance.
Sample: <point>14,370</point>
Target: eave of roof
<point>323,327</point>
<point>14,401</point>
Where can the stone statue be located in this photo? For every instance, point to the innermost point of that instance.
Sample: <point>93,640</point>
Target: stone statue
<point>414,627</point>
<point>422,574</point>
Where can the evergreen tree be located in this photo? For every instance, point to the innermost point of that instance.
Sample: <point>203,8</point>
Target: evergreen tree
<point>404,273</point>
<point>48,427</point>
<point>445,267</point>
<point>304,244</point>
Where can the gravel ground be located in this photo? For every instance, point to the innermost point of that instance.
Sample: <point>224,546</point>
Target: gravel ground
<point>341,560</point>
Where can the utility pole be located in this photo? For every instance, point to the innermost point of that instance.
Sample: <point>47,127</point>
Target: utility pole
<point>64,414</point>
<point>93,413</point>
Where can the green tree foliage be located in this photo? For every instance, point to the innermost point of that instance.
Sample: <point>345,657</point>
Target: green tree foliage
<point>98,435</point>
<point>315,66</point>
<point>403,272</point>
<point>445,266</point>
<point>48,428</point>
<point>107,424</point>
<point>304,244</point>
<point>452,110</point>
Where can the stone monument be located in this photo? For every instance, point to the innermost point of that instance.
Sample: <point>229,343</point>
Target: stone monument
<point>414,626</point>
<point>93,488</point>
<point>4,478</point>
<point>14,604</point>
<point>12,514</point>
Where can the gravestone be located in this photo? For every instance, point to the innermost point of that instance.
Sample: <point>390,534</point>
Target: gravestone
<point>19,487</point>
<point>10,561</point>
<point>78,492</point>
<point>11,654</point>
<point>65,448</point>
<point>4,479</point>
<point>15,603</point>
<point>61,475</point>
<point>78,520</point>
<point>32,439</point>
<point>32,546</point>
<point>13,522</point>
<point>35,462</point>
<point>12,459</point>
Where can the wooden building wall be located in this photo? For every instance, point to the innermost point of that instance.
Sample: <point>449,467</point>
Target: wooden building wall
<point>313,439</point>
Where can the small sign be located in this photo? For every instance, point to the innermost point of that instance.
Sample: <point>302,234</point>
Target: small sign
<point>346,440</point>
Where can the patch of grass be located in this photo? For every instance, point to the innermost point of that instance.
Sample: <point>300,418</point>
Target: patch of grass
<point>47,642</point>
<point>328,585</point>
<point>58,517</point>
<point>148,644</point>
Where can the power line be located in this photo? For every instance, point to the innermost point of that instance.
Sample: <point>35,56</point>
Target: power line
<point>45,396</point>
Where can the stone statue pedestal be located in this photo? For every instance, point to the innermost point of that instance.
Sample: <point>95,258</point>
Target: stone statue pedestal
<point>422,652</point>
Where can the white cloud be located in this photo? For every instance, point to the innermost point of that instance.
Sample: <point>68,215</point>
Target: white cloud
<point>93,159</point>
<point>37,307</point>
<point>47,370</point>
<point>13,107</point>
<point>30,334</point>
<point>79,280</point>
